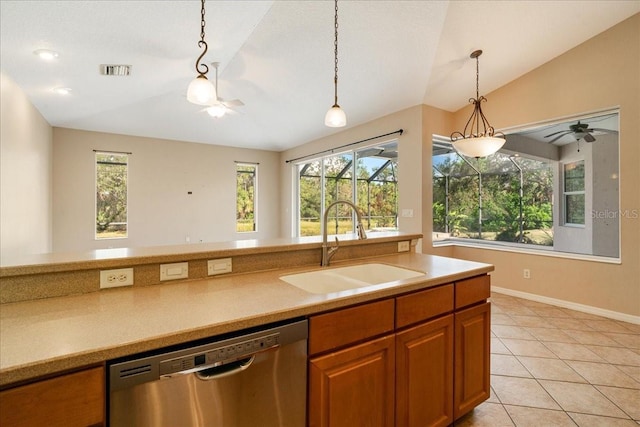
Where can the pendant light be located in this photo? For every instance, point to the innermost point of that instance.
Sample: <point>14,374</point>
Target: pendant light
<point>201,90</point>
<point>335,117</point>
<point>478,139</point>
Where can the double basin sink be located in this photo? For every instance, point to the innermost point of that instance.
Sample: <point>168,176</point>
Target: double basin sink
<point>330,280</point>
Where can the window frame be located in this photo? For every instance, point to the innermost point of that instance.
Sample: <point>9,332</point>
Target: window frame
<point>96,164</point>
<point>255,195</point>
<point>566,194</point>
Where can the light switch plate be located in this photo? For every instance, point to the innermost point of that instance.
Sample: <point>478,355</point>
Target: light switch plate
<point>219,266</point>
<point>178,270</point>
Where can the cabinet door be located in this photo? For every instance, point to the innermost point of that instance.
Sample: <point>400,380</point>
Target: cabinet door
<point>69,400</point>
<point>354,386</point>
<point>471,360</point>
<point>424,374</point>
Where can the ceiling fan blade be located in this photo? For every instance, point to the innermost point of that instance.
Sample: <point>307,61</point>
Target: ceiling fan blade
<point>604,130</point>
<point>564,132</point>
<point>233,103</point>
<point>558,137</point>
<point>589,138</point>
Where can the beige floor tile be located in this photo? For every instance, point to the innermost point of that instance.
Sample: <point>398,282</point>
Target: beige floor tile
<point>496,309</point>
<point>594,337</point>
<point>533,321</point>
<point>486,415</point>
<point>606,326</point>
<point>603,374</point>
<point>616,355</point>
<point>497,347</point>
<point>552,335</point>
<point>569,323</point>
<point>568,351</point>
<point>550,369</point>
<point>630,326</point>
<point>550,311</point>
<point>492,397</point>
<point>518,310</point>
<point>529,303</point>
<point>527,348</point>
<point>502,364</point>
<point>627,340</point>
<point>522,392</point>
<point>585,420</point>
<point>506,331</point>
<point>632,371</point>
<point>627,399</point>
<point>582,398</point>
<point>582,315</point>
<point>501,319</point>
<point>534,417</point>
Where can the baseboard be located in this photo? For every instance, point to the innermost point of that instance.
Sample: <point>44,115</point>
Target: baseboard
<point>570,305</point>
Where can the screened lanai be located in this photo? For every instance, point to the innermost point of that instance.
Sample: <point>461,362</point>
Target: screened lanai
<point>367,177</point>
<point>503,197</point>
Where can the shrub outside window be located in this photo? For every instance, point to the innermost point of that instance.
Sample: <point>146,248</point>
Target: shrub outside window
<point>111,195</point>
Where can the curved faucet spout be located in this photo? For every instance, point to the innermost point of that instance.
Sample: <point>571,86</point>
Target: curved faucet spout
<point>327,252</point>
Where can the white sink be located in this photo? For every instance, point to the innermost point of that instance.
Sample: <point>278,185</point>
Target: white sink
<point>339,279</point>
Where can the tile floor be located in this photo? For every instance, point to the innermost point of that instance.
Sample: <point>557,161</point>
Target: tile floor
<point>553,366</point>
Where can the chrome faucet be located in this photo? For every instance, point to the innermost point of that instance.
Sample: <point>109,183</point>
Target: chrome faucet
<point>328,252</point>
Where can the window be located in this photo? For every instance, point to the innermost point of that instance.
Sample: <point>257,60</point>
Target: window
<point>553,188</point>
<point>111,195</point>
<point>574,193</point>
<point>246,197</point>
<point>366,177</point>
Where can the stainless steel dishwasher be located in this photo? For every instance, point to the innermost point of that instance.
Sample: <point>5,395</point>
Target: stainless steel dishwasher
<point>253,378</point>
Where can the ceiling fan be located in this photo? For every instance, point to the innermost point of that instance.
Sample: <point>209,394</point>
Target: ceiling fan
<point>220,107</point>
<point>579,131</point>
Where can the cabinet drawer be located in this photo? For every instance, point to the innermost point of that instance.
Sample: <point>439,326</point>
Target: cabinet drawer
<point>69,400</point>
<point>471,291</point>
<point>342,327</point>
<point>423,305</point>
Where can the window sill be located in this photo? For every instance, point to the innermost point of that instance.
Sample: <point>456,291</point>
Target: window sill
<point>524,249</point>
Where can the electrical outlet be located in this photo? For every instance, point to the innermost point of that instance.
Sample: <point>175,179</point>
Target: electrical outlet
<point>178,270</point>
<point>403,246</point>
<point>526,273</point>
<point>116,278</point>
<point>218,266</point>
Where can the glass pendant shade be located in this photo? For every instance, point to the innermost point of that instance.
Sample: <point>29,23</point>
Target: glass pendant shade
<point>478,147</point>
<point>201,91</point>
<point>217,110</point>
<point>335,117</point>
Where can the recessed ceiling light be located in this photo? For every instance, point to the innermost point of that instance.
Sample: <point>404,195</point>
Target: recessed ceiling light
<point>62,90</point>
<point>46,54</point>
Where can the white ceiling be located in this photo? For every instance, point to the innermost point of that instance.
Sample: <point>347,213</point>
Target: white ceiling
<point>277,57</point>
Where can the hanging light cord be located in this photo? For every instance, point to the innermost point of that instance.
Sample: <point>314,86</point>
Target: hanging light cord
<point>202,43</point>
<point>335,45</point>
<point>477,117</point>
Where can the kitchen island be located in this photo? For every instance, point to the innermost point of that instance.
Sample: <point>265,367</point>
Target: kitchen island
<point>45,337</point>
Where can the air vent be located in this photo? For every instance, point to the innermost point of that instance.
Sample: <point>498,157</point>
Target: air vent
<point>115,70</point>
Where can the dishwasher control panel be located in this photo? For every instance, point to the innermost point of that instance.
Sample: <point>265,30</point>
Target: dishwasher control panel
<point>219,355</point>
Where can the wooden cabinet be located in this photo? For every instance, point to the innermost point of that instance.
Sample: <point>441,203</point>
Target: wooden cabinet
<point>472,353</point>
<point>420,359</point>
<point>424,374</point>
<point>76,399</point>
<point>354,386</point>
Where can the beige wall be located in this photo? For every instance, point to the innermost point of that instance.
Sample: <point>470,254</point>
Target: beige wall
<point>601,73</point>
<point>25,175</point>
<point>409,170</point>
<point>161,173</point>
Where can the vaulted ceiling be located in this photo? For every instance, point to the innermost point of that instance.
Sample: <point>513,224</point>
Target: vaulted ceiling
<point>277,58</point>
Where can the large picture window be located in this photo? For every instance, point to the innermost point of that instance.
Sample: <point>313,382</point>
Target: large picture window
<point>111,195</point>
<point>553,188</point>
<point>367,177</point>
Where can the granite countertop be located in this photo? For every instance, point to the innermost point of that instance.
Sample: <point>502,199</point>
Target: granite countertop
<point>43,337</point>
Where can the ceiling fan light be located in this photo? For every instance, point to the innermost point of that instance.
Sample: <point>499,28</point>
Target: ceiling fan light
<point>201,91</point>
<point>217,110</point>
<point>478,147</point>
<point>335,117</point>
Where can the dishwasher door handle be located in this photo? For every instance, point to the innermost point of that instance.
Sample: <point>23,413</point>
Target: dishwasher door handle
<point>225,370</point>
